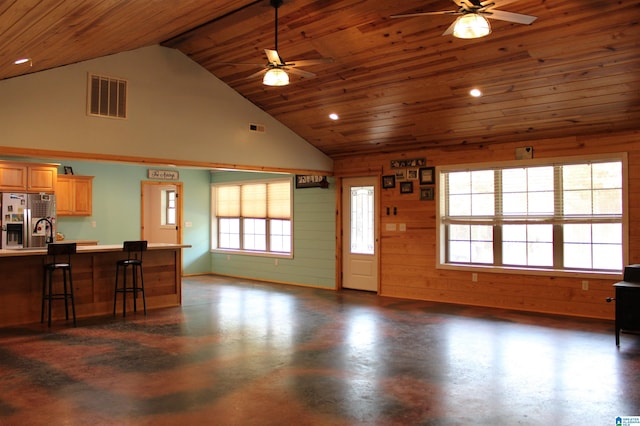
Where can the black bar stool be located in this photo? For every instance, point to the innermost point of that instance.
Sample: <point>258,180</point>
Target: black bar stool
<point>134,251</point>
<point>54,253</point>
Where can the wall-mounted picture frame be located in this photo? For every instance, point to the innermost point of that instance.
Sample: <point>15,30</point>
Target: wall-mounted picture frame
<point>412,174</point>
<point>426,194</point>
<point>427,175</point>
<point>68,170</point>
<point>389,181</point>
<point>406,187</point>
<point>411,162</point>
<point>400,175</point>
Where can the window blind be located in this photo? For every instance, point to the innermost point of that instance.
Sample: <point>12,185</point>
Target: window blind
<point>228,201</point>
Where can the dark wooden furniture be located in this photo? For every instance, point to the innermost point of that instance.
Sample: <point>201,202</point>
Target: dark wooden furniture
<point>133,261</point>
<point>628,301</point>
<point>60,256</point>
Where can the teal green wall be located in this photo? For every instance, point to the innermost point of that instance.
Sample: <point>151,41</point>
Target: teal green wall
<point>313,261</point>
<point>116,208</point>
<point>116,213</point>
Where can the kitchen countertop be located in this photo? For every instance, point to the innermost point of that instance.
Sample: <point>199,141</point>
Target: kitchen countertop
<point>80,242</point>
<point>39,251</point>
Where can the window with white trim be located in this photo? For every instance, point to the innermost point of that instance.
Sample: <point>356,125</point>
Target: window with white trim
<point>168,207</point>
<point>565,215</point>
<point>253,217</point>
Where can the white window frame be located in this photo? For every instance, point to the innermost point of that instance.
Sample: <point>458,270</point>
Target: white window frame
<point>441,235</point>
<point>215,221</point>
<point>167,209</point>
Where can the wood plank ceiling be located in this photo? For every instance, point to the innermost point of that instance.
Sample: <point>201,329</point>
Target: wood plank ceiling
<point>397,84</point>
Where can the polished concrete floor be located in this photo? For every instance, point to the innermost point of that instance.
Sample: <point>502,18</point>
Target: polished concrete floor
<point>249,353</point>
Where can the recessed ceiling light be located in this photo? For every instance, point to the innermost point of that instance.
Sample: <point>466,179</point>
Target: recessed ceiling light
<point>334,116</point>
<point>476,93</point>
<point>21,61</point>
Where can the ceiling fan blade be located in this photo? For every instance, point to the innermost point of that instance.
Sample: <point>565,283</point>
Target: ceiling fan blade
<point>497,3</point>
<point>518,18</point>
<point>256,74</point>
<point>239,64</point>
<point>305,62</point>
<point>443,12</point>
<point>302,73</point>
<point>449,30</point>
<point>273,57</point>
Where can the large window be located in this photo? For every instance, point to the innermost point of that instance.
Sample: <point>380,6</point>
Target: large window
<point>561,215</point>
<point>254,217</point>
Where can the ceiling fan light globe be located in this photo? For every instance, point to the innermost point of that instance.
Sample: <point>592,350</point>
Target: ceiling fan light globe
<point>471,25</point>
<point>275,77</point>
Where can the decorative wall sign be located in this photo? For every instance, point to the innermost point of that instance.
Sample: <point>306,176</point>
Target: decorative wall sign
<point>413,162</point>
<point>311,181</point>
<point>163,174</point>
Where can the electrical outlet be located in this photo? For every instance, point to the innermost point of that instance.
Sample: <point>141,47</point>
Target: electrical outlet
<point>585,285</point>
<point>474,277</point>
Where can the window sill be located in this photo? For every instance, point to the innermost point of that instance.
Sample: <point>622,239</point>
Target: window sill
<point>253,253</point>
<point>538,272</point>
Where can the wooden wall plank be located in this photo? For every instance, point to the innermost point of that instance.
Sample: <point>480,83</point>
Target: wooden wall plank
<point>408,259</point>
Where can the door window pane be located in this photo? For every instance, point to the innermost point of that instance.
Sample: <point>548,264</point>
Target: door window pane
<point>362,234</point>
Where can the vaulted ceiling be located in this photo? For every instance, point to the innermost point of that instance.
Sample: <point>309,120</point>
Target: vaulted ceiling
<point>397,84</point>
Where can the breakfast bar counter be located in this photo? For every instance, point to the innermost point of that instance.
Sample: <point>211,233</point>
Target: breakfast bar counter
<point>93,273</point>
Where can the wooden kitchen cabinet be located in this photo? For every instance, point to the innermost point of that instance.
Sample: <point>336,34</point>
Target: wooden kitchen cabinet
<point>13,177</point>
<point>74,195</point>
<point>28,177</point>
<point>41,178</point>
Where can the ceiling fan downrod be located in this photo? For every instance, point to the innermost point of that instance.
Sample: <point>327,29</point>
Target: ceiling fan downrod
<point>276,4</point>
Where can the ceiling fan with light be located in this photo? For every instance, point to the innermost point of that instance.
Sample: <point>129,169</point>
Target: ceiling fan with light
<point>275,71</point>
<point>472,22</point>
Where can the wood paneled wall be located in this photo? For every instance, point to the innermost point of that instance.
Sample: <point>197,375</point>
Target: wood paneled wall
<point>408,259</point>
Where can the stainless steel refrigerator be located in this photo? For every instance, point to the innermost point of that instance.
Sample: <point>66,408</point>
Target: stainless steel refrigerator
<point>28,220</point>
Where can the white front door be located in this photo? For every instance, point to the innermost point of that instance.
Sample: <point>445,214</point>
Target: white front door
<point>360,233</point>
<point>161,212</point>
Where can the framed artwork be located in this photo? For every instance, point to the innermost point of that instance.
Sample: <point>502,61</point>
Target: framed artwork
<point>412,174</point>
<point>389,181</point>
<point>404,163</point>
<point>68,170</point>
<point>426,194</point>
<point>400,175</point>
<point>427,175</point>
<point>406,187</point>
